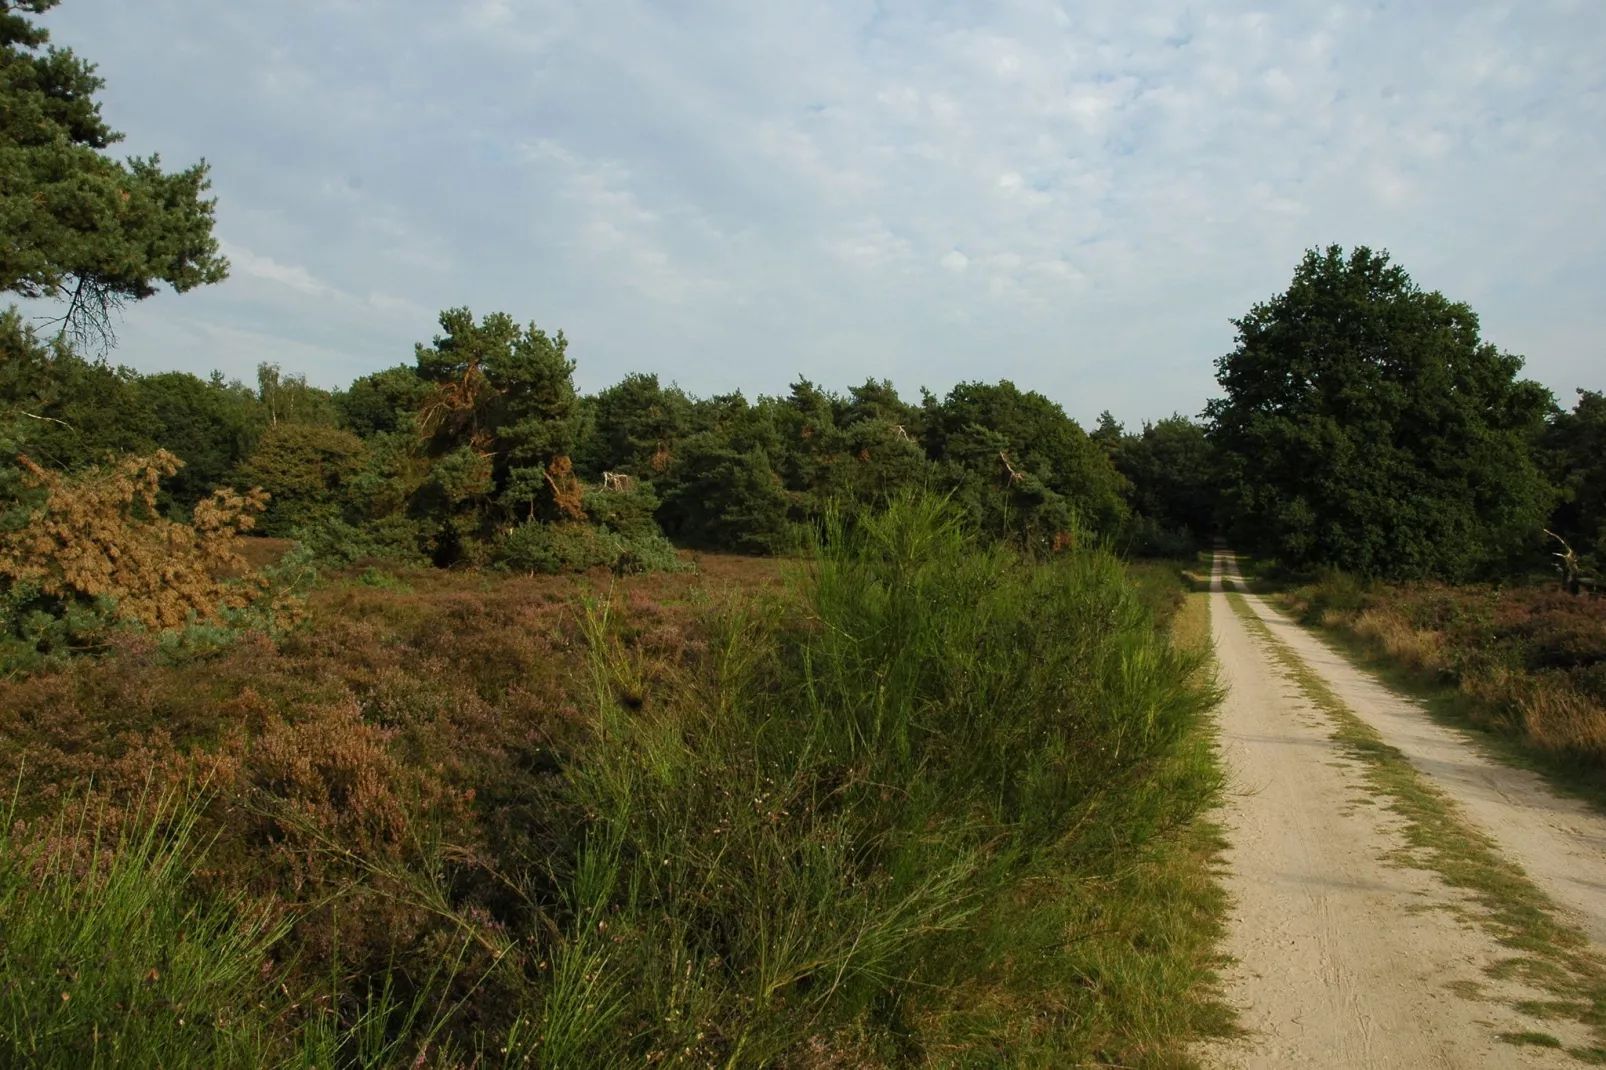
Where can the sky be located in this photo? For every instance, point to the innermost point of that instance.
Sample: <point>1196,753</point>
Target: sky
<point>1076,197</point>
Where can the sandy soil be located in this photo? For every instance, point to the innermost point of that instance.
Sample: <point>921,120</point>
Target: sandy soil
<point>1560,842</point>
<point>1342,959</point>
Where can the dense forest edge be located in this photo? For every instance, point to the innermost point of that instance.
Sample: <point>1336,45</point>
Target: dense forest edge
<point>456,717</point>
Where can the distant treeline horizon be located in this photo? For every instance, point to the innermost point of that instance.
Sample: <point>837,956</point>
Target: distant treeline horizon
<point>1364,425</point>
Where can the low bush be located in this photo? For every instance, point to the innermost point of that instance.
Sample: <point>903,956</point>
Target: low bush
<point>631,513</point>
<point>1531,661</point>
<point>550,549</point>
<point>337,544</point>
<point>1332,591</point>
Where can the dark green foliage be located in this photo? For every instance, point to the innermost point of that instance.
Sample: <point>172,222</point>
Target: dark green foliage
<point>78,223</point>
<point>847,455</point>
<point>629,512</point>
<point>39,632</point>
<point>308,470</point>
<point>554,548</point>
<point>63,411</point>
<point>633,427</point>
<point>382,402</point>
<point>338,543</point>
<point>1367,426</point>
<point>1170,471</point>
<point>210,426</point>
<point>1020,465</point>
<point>505,394</point>
<point>722,498</point>
<point>1574,454</point>
<point>720,488</point>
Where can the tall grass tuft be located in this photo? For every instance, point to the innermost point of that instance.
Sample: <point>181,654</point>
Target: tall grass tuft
<point>107,958</point>
<point>810,841</point>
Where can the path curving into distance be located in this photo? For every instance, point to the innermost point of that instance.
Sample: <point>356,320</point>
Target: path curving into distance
<point>1349,951</point>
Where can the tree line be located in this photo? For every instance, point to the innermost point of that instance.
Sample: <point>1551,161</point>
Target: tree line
<point>451,457</point>
<point>1364,423</point>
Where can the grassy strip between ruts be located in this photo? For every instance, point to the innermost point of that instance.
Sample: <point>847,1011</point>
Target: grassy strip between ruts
<point>1547,953</point>
<point>1505,665</point>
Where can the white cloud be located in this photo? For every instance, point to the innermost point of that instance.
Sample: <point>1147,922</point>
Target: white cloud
<point>1077,197</point>
<point>244,262</point>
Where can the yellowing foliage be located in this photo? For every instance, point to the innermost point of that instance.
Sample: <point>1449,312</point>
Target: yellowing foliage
<point>98,535</point>
<point>567,490</point>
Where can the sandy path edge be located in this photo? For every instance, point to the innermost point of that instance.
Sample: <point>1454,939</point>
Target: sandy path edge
<point>1560,842</point>
<point>1340,959</point>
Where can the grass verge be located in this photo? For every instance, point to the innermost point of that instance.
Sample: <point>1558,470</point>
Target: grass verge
<point>1547,953</point>
<point>1497,725</point>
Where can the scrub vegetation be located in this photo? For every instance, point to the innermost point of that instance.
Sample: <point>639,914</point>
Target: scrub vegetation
<point>457,718</point>
<point>1525,662</point>
<point>917,799</point>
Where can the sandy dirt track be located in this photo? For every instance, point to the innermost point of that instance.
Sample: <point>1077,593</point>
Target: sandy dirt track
<point>1342,959</point>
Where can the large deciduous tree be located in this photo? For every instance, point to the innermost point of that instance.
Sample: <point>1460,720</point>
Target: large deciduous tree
<point>1366,425</point>
<point>74,222</point>
<point>1575,456</point>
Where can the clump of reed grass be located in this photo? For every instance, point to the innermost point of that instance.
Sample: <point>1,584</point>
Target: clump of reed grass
<point>815,838</point>
<point>107,959</point>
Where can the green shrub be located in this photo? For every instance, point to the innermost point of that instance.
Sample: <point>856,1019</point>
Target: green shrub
<point>824,832</point>
<point>557,548</point>
<point>648,553</point>
<point>630,513</point>
<point>1332,591</point>
<point>336,543</point>
<point>382,580</point>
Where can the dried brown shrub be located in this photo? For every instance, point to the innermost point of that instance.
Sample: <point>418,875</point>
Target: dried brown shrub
<point>567,490</point>
<point>98,535</point>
